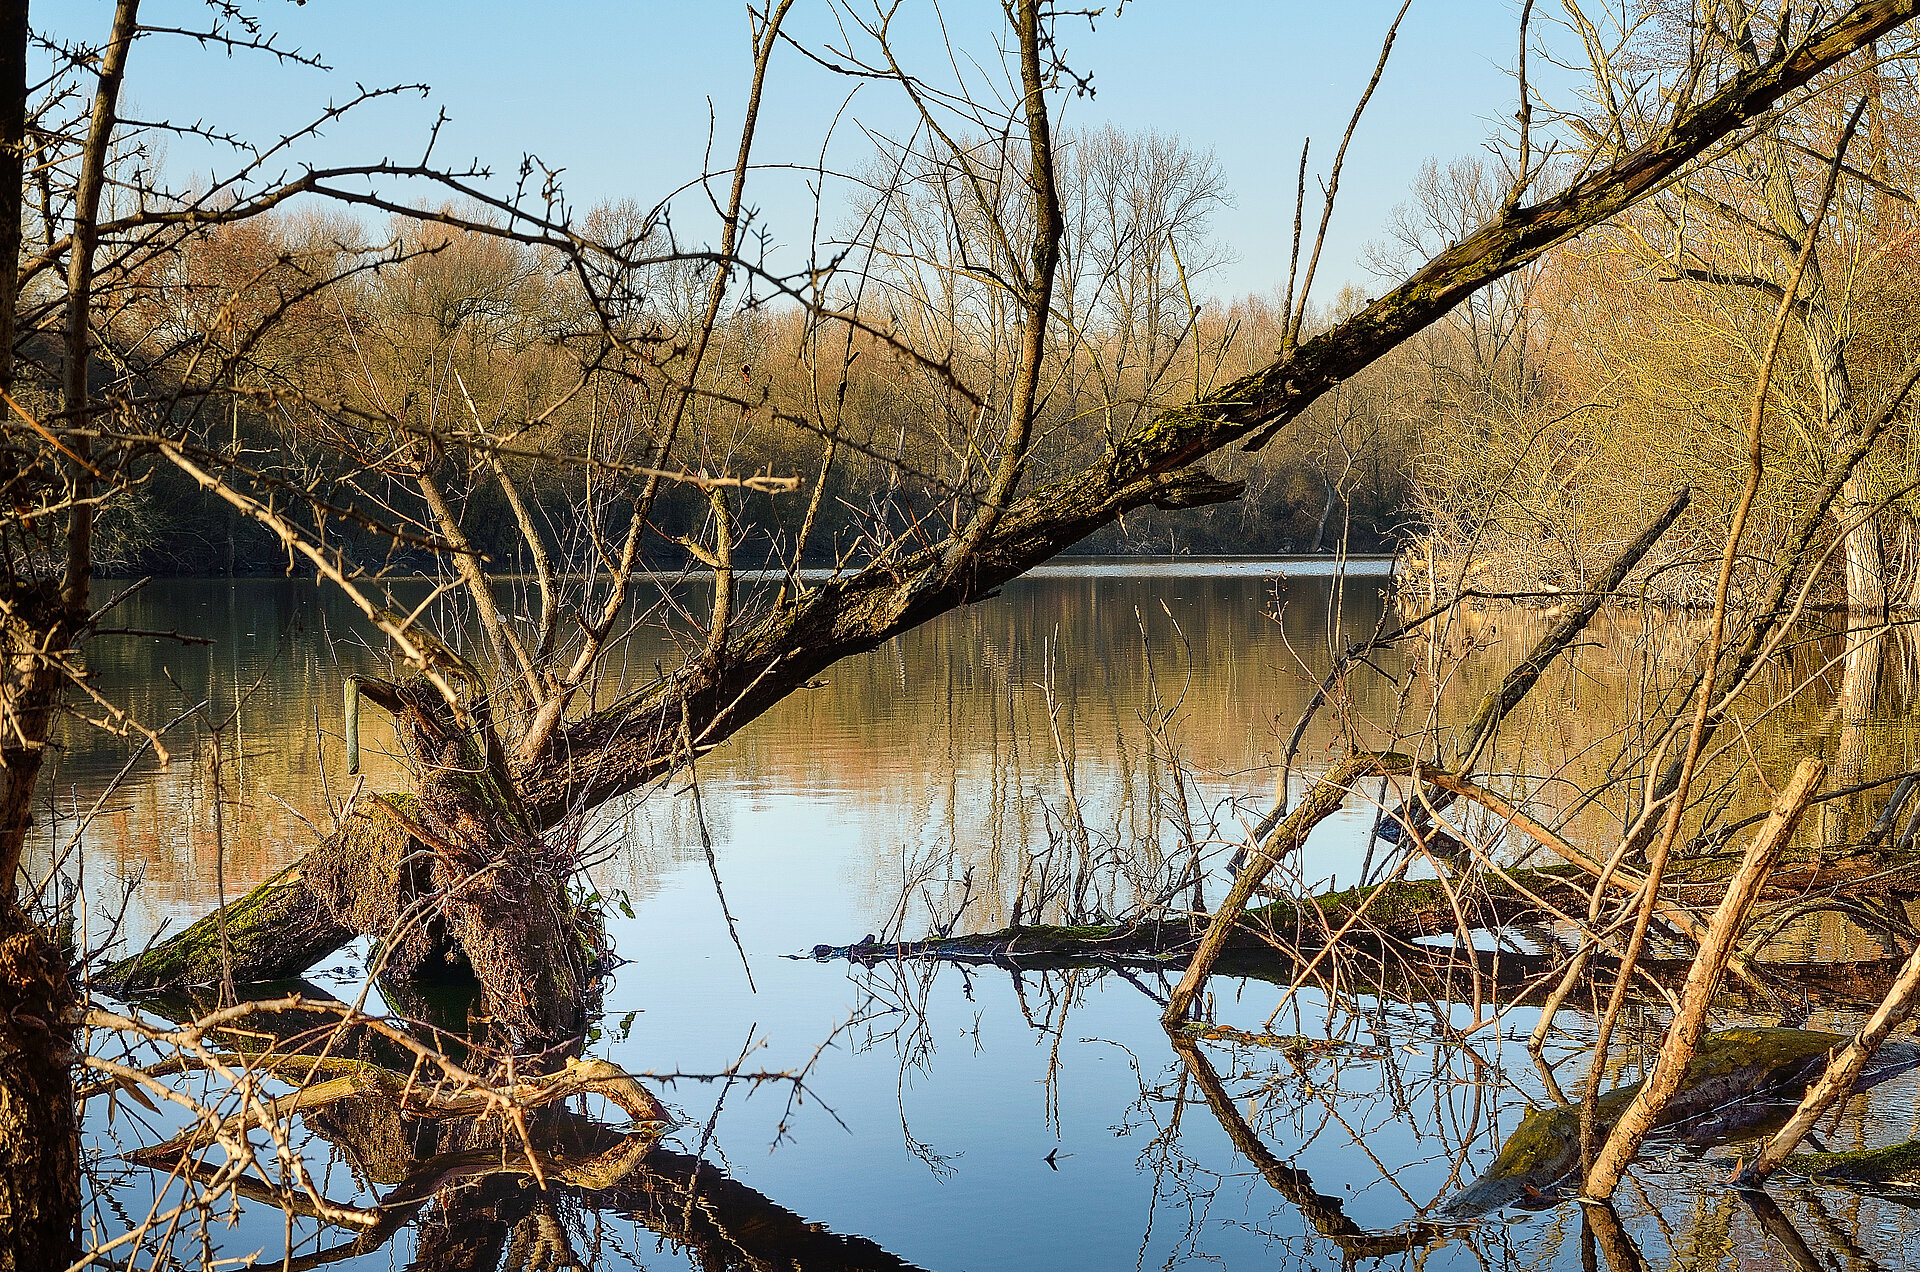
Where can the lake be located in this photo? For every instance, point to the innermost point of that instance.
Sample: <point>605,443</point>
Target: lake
<point>979,1118</point>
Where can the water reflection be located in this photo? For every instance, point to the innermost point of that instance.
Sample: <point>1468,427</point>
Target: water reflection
<point>1034,1116</point>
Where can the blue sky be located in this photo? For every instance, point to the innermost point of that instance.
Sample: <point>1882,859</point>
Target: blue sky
<point>617,94</point>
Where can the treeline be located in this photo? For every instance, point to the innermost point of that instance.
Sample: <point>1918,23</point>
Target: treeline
<point>1513,448</point>
<point>350,344</point>
<point>1600,380</point>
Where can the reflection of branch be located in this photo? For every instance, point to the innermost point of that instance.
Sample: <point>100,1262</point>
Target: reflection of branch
<point>1323,1212</point>
<point>1776,1225</point>
<point>683,1199</point>
<point>1602,1225</point>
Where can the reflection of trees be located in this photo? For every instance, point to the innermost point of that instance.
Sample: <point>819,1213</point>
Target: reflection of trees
<point>482,1208</point>
<point>1774,1222</point>
<point>1600,1227</point>
<point>502,1192</point>
<point>1853,709</point>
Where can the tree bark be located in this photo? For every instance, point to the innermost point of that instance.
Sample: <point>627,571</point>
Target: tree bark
<point>1827,352</point>
<point>449,878</point>
<point>39,1118</point>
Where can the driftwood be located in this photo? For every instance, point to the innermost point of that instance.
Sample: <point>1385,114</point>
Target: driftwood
<point>1383,931</point>
<point>1843,1072</point>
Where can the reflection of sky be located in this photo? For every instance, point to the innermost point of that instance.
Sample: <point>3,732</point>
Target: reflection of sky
<point>935,753</point>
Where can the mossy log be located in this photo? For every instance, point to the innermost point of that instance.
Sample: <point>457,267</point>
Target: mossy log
<point>275,932</point>
<point>1727,1088</point>
<point>1280,941</point>
<point>284,926</point>
<point>1895,1166</point>
<point>1396,913</point>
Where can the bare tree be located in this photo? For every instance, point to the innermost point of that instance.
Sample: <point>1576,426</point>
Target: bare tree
<point>755,650</point>
<point>515,722</point>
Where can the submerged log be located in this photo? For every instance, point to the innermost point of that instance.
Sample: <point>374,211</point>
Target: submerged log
<point>1732,1085</point>
<point>1398,920</point>
<point>1401,911</point>
<point>1895,1167</point>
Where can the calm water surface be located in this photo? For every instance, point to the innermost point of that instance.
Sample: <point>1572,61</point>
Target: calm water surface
<point>970,1119</point>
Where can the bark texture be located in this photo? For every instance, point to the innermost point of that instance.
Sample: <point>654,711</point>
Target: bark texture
<point>39,1118</point>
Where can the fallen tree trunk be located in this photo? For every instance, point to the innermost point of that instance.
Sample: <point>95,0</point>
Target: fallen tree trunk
<point>1896,1166</point>
<point>1385,930</point>
<point>1843,1071</point>
<point>1724,1087</point>
<point>276,931</point>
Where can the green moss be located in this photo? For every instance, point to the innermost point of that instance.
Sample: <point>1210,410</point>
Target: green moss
<point>1546,1144</point>
<point>1897,1163</point>
<point>1292,1044</point>
<point>274,932</point>
<point>1541,1147</point>
<point>1727,1050</point>
<point>1048,936</point>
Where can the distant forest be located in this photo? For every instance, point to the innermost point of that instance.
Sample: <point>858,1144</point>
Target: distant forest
<point>445,328</point>
<point>1512,447</point>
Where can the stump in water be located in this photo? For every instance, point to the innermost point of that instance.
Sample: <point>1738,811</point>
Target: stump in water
<point>453,879</point>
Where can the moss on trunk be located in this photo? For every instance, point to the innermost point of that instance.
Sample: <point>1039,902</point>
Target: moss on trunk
<point>1897,1164</point>
<point>1726,1087</point>
<point>285,925</point>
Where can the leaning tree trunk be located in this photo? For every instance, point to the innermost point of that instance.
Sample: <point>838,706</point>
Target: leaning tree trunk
<point>39,1130</point>
<point>483,834</point>
<point>39,1126</point>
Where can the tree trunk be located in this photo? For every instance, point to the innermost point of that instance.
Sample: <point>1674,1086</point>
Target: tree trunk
<point>279,929</point>
<point>484,832</point>
<point>1866,556</point>
<point>39,1125</point>
<point>1827,352</point>
<point>480,901</point>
